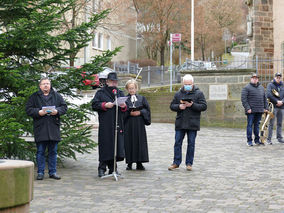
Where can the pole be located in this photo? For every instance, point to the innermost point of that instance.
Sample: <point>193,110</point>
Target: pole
<point>179,54</point>
<point>225,46</point>
<point>114,173</point>
<point>85,48</point>
<point>171,63</point>
<point>192,30</point>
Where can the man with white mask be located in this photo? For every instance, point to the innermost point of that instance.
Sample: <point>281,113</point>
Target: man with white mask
<point>188,102</point>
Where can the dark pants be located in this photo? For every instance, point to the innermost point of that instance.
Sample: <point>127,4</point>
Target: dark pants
<point>104,164</point>
<point>52,156</point>
<point>253,121</point>
<point>191,135</point>
<point>278,115</point>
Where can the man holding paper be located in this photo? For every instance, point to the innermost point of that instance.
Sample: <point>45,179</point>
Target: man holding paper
<point>104,104</point>
<point>45,107</point>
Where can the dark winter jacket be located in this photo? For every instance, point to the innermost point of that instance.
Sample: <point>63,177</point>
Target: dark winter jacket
<point>142,105</point>
<point>47,127</point>
<point>253,97</point>
<point>107,124</point>
<point>279,88</point>
<point>189,118</point>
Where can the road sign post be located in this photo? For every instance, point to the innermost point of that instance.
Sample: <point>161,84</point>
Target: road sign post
<point>174,37</point>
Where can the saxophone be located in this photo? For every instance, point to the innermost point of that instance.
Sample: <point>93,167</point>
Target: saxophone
<point>266,117</point>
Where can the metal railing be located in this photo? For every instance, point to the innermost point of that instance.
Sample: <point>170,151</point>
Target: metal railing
<point>160,75</point>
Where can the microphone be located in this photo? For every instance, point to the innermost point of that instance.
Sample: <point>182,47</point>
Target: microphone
<point>114,91</point>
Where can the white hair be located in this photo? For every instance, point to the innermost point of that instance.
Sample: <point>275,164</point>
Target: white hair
<point>187,77</point>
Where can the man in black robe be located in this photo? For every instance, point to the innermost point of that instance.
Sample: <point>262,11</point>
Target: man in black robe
<point>103,103</point>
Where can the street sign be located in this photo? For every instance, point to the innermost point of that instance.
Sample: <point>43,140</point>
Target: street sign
<point>175,37</point>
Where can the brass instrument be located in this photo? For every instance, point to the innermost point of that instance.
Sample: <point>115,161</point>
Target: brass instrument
<point>275,93</point>
<point>266,117</point>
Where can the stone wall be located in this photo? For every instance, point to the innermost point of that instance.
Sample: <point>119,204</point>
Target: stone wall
<point>261,41</point>
<point>227,112</point>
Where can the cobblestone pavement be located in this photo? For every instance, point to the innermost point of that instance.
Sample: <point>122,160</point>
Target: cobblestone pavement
<point>227,176</point>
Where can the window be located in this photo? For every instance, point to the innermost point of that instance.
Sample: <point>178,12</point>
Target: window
<point>108,43</point>
<point>100,41</point>
<point>95,42</point>
<point>96,6</point>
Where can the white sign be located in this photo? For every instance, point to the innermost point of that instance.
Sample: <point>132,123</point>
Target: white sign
<point>218,92</point>
<point>176,37</point>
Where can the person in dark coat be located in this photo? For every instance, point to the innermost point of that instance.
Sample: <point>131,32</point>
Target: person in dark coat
<point>135,137</point>
<point>188,102</point>
<point>255,104</point>
<point>103,103</point>
<point>277,99</point>
<point>45,107</point>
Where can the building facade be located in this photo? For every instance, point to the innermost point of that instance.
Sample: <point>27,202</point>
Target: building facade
<point>118,29</point>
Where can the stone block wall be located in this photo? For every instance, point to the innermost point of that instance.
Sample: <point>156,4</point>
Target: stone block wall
<point>228,112</point>
<point>261,40</point>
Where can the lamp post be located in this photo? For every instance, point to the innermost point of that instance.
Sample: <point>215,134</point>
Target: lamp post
<point>192,30</point>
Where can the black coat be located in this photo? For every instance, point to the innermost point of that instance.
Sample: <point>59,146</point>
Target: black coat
<point>107,125</point>
<point>47,127</point>
<point>253,97</point>
<point>280,89</point>
<point>189,119</point>
<point>135,138</point>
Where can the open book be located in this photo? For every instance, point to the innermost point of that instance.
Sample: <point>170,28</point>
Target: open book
<point>120,100</point>
<point>48,109</point>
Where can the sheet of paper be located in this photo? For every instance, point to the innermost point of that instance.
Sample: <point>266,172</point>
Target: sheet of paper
<point>120,100</point>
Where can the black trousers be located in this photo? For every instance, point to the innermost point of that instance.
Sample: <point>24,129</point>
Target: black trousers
<point>104,164</point>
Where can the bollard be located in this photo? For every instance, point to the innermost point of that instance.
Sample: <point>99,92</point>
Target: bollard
<point>16,185</point>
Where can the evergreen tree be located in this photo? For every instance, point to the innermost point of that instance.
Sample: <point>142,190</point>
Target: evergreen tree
<point>32,44</point>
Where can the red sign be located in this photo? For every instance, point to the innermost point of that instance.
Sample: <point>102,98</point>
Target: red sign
<point>176,37</point>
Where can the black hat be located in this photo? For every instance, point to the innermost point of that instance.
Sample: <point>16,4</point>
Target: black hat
<point>278,74</point>
<point>254,75</point>
<point>112,76</point>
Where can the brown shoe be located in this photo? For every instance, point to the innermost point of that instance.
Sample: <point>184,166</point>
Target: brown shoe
<point>188,167</point>
<point>173,167</point>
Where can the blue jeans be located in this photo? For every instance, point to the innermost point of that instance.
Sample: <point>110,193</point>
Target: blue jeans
<point>253,121</point>
<point>52,156</point>
<point>191,135</point>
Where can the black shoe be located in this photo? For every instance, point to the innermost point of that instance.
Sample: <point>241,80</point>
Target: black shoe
<point>55,176</point>
<point>140,166</point>
<point>280,140</point>
<point>40,177</point>
<point>101,172</point>
<point>129,166</point>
